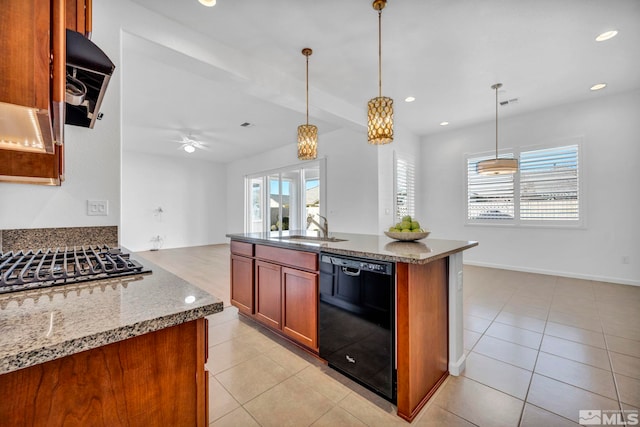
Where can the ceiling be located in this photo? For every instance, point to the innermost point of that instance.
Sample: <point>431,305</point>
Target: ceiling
<point>445,53</point>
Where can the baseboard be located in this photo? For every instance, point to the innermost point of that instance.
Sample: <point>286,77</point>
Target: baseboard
<point>456,368</point>
<point>616,280</point>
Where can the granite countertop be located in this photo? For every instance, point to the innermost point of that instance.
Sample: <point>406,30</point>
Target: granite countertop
<point>362,245</point>
<point>37,326</point>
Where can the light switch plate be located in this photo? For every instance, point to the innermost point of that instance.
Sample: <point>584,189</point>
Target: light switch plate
<point>97,207</point>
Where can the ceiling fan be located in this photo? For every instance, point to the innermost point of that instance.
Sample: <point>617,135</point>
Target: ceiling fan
<point>190,144</point>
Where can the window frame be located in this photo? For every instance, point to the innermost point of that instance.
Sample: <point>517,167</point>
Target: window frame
<point>402,157</point>
<point>580,223</point>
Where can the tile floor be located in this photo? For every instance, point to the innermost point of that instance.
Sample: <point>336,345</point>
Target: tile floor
<point>540,348</point>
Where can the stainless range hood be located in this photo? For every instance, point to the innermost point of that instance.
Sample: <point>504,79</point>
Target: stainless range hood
<point>89,70</point>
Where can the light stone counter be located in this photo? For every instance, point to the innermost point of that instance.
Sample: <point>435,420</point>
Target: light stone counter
<point>363,245</point>
<point>41,325</point>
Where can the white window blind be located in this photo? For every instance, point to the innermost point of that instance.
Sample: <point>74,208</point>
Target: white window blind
<point>489,196</point>
<point>405,186</point>
<point>549,184</point>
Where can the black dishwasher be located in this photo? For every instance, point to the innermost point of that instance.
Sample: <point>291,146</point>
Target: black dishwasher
<point>357,320</point>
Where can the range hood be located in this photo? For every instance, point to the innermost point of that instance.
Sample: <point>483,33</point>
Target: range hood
<point>89,70</point>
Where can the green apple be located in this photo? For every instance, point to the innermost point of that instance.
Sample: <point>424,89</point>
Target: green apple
<point>418,230</point>
<point>406,218</point>
<point>415,225</point>
<point>393,230</point>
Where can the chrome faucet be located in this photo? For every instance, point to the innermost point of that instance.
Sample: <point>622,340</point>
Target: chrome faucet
<point>325,229</point>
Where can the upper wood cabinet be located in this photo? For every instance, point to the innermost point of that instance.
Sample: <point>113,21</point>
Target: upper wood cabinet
<point>32,86</point>
<point>79,13</point>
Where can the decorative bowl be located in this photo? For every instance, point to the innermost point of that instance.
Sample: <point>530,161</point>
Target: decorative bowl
<point>407,237</point>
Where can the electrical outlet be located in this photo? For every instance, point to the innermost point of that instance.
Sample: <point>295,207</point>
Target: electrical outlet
<point>97,207</point>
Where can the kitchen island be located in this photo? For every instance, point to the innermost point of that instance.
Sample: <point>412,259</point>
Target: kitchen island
<point>119,351</point>
<point>274,280</point>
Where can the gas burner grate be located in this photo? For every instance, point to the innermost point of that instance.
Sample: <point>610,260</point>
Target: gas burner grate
<point>50,267</point>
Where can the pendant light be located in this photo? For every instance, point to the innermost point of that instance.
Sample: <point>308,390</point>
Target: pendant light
<point>380,109</point>
<point>307,134</point>
<point>497,166</point>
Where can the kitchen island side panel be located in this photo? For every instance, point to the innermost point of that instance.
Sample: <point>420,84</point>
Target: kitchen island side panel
<point>422,340</point>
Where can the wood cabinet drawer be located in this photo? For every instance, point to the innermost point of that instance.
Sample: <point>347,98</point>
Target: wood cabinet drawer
<point>241,248</point>
<point>298,259</point>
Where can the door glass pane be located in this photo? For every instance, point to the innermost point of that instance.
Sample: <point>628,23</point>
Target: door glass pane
<point>256,208</point>
<point>291,200</point>
<point>275,202</point>
<point>312,196</point>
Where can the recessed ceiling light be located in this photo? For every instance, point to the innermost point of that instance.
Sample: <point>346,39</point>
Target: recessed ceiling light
<point>409,99</point>
<point>208,3</point>
<point>598,86</point>
<point>189,148</point>
<point>444,123</point>
<point>606,35</point>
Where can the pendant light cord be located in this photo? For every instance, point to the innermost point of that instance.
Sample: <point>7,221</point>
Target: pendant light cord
<point>496,122</point>
<point>307,89</point>
<point>380,53</point>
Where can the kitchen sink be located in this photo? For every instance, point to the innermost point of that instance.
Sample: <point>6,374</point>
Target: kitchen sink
<point>315,238</point>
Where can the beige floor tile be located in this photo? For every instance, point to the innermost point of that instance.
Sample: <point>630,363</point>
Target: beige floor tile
<point>629,389</point>
<point>564,399</point>
<point>521,321</point>
<point>317,378</point>
<point>369,413</point>
<point>220,401</point>
<point>526,310</point>
<point>259,341</point>
<point>236,418</point>
<point>582,353</point>
<point>538,417</point>
<point>252,377</point>
<point>338,417</point>
<point>505,351</point>
<point>228,330</point>
<point>621,329</point>
<point>590,322</point>
<point>578,374</point>
<point>470,338</point>
<point>435,416</point>
<point>290,403</point>
<point>571,333</point>
<point>478,403</point>
<point>476,324</point>
<point>483,311</point>
<point>287,358</point>
<point>499,375</point>
<point>515,335</point>
<point>229,353</point>
<point>229,313</point>
<point>625,365</point>
<point>634,411</point>
<point>623,345</point>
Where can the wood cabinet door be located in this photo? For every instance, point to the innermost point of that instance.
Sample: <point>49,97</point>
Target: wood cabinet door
<point>268,294</point>
<point>242,283</point>
<point>79,16</point>
<point>300,306</point>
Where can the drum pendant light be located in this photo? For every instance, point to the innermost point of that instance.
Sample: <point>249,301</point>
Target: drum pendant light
<point>307,134</point>
<point>497,166</point>
<point>380,109</point>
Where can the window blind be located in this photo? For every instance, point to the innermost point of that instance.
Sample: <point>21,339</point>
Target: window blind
<point>549,184</point>
<point>489,196</point>
<point>405,186</point>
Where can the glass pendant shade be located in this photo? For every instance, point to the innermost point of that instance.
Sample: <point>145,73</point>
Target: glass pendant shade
<point>497,166</point>
<point>380,108</point>
<point>307,142</point>
<point>307,134</point>
<point>380,120</point>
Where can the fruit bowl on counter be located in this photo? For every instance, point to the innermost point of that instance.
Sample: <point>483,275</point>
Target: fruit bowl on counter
<point>407,230</point>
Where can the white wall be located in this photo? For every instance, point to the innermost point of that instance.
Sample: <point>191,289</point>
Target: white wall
<point>192,194</point>
<point>610,130</point>
<point>92,157</point>
<point>352,180</point>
